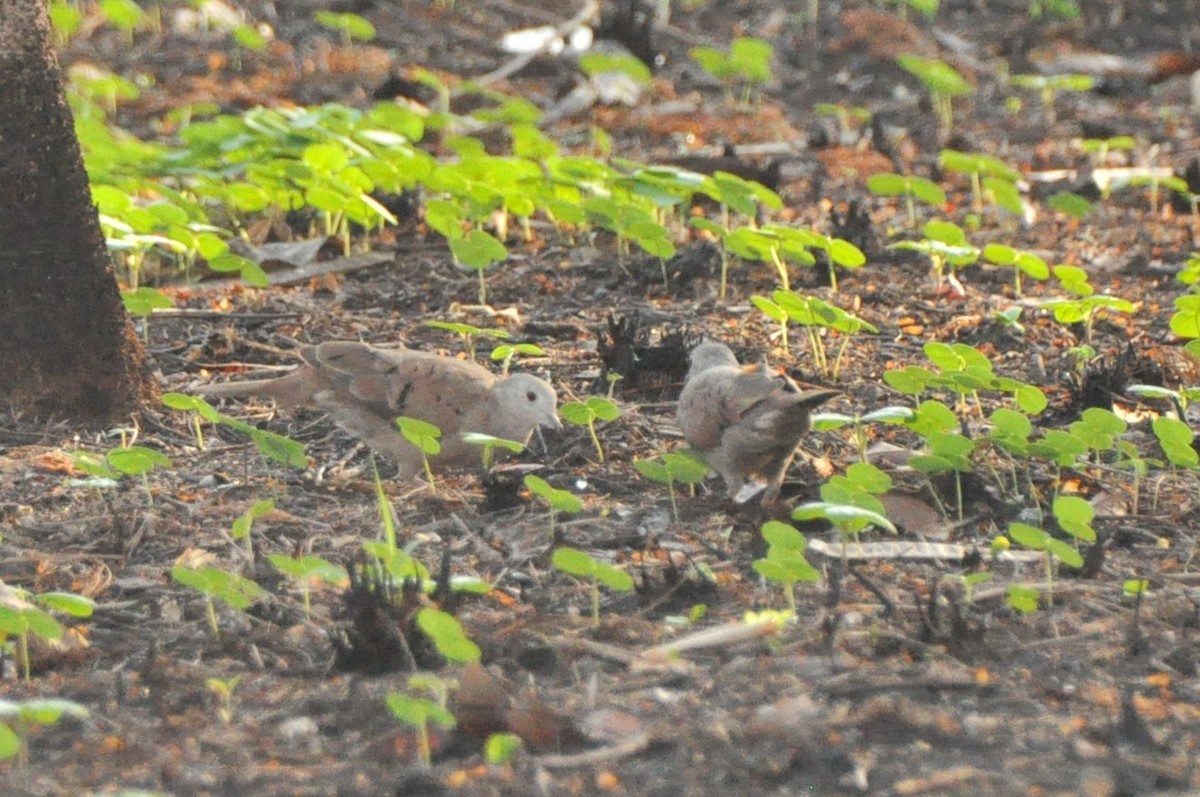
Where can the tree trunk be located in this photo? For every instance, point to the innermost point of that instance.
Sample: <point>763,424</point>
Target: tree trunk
<point>67,348</point>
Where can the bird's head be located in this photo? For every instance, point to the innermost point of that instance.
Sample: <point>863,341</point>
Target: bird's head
<point>521,403</point>
<point>709,355</point>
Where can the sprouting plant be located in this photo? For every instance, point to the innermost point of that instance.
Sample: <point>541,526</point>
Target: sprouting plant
<point>927,8</point>
<point>909,187</point>
<point>1100,148</point>
<point>580,564</point>
<point>965,371</point>
<point>418,713</point>
<point>816,316</point>
<point>989,175</point>
<point>748,60</point>
<point>489,445</point>
<point>784,562</point>
<point>505,353</point>
<point>1021,262</point>
<point>586,413</point>
<point>351,26</point>
<point>242,524</point>
<point>741,196</point>
<point>1051,547</point>
<point>121,462</point>
<point>18,718</point>
<point>943,83</point>
<point>849,117</point>
<point>1066,9</point>
<point>1086,306</point>
<point>827,421</point>
<point>273,446</point>
<point>558,500</point>
<point>23,613</point>
<point>968,582</point>
<point>305,571</point>
<point>499,748</point>
<point>848,520</point>
<point>217,584</point>
<point>945,244</point>
<point>469,333</point>
<point>424,435</point>
<point>447,635</point>
<point>671,468</point>
<point>1049,86</point>
<point>1176,438</point>
<point>223,689</point>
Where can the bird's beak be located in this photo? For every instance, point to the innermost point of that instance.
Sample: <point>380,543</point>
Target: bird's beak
<point>554,422</point>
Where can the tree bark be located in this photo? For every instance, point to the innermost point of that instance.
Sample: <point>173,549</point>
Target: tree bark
<point>67,347</point>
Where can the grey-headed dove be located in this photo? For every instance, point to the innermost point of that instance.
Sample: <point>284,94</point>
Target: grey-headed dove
<point>364,389</point>
<point>744,420</point>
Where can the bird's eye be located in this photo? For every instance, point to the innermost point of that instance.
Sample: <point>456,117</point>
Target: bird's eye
<point>530,395</point>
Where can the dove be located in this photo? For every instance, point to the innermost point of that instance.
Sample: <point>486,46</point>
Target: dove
<point>744,420</point>
<point>364,389</point>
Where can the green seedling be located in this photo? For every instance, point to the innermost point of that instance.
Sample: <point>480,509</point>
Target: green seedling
<point>23,613</point>
<point>849,118</point>
<point>630,221</point>
<point>19,718</point>
<point>580,564</point>
<point>748,60</point>
<point>1066,9</point>
<point>1050,86</point>
<point>558,500</point>
<point>417,713</point>
<point>849,521</point>
<point>447,636</point>
<point>671,468</point>
<point>989,175</point>
<point>470,334</point>
<point>945,244</point>
<point>1021,262</point>
<point>586,413</point>
<point>816,317</point>
<point>1052,548</point>
<point>1022,599</point>
<point>240,530</point>
<point>1189,311</point>
<point>216,584</point>
<point>943,82</point>
<point>947,452</point>
<point>785,563</point>
<point>307,570</point>
<point>66,19</point>
<point>124,15</point>
<point>964,371</point>
<point>500,748</point>
<point>1071,204</point>
<point>273,446</point>
<point>424,436</point>
<point>1182,398</point>
<point>1176,438</point>
<point>909,187</point>
<point>968,581</point>
<point>489,445</point>
<point>352,27</point>
<point>505,353</point>
<point>118,463</point>
<point>828,421</point>
<point>223,689</point>
<point>1086,306</point>
<point>744,197</point>
<point>1099,148</point>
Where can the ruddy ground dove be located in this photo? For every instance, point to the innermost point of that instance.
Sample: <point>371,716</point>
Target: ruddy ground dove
<point>744,420</point>
<point>364,389</point>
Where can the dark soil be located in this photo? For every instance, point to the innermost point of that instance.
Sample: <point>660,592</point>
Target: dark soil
<point>892,680</point>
